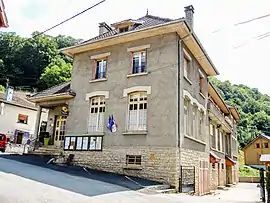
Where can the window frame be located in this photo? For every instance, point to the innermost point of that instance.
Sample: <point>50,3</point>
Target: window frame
<point>136,157</point>
<point>133,53</point>
<point>266,145</point>
<point>97,67</point>
<point>257,145</point>
<point>140,94</point>
<point>101,105</point>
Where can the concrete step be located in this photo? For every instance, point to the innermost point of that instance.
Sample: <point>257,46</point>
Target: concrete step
<point>221,187</point>
<point>229,185</point>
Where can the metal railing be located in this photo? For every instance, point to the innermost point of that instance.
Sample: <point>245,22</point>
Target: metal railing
<point>31,146</point>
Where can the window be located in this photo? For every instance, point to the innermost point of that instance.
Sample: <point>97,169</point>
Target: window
<point>96,117</point>
<point>123,29</point>
<point>137,113</point>
<point>22,118</point>
<point>133,159</point>
<point>201,84</point>
<point>257,145</point>
<point>213,166</point>
<point>187,64</point>
<point>101,66</point>
<point>186,112</point>
<point>194,122</point>
<point>201,123</point>
<point>266,145</point>
<point>222,165</point>
<point>139,62</point>
<point>217,138</point>
<point>212,134</point>
<point>221,141</point>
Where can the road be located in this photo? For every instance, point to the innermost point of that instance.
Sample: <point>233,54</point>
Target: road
<point>23,182</point>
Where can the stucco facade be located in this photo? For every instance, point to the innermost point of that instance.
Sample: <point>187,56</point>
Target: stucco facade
<point>9,119</point>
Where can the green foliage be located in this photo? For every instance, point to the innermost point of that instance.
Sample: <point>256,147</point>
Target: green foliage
<point>246,171</point>
<point>56,72</point>
<point>2,88</point>
<point>253,106</point>
<point>23,60</point>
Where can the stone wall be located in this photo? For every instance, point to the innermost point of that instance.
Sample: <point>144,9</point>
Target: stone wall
<point>158,163</point>
<point>213,176</point>
<point>193,158</point>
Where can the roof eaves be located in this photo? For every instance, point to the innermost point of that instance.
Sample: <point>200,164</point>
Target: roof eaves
<point>201,46</point>
<point>123,34</point>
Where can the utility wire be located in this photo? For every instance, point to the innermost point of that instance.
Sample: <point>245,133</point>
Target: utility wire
<point>69,18</point>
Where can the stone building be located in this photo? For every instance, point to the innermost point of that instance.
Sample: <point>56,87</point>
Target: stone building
<point>223,141</point>
<point>141,102</point>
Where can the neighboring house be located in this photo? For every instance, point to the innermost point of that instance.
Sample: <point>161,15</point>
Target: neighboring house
<point>150,75</point>
<point>258,146</point>
<point>223,140</point>
<point>18,117</point>
<point>3,17</point>
<point>55,100</point>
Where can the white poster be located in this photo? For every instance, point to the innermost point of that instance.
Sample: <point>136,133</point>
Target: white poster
<point>67,141</point>
<point>79,143</point>
<point>72,143</point>
<point>85,143</point>
<point>98,143</point>
<point>92,143</point>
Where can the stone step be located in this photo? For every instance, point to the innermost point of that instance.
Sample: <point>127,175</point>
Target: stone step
<point>166,191</point>
<point>159,187</point>
<point>229,185</point>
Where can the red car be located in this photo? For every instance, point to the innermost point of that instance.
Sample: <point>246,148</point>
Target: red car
<point>3,142</point>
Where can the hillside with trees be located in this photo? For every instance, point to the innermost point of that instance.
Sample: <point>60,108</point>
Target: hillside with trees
<point>29,63</point>
<point>253,106</point>
<point>36,63</point>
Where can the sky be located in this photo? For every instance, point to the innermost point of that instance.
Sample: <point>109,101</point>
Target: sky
<point>234,49</point>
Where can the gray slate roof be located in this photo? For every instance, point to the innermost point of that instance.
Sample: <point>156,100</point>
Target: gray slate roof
<point>19,99</point>
<point>57,89</point>
<point>148,21</point>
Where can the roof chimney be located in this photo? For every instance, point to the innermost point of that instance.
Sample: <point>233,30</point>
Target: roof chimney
<point>103,28</point>
<point>189,10</point>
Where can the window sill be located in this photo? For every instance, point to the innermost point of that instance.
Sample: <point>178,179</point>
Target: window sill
<point>23,123</point>
<point>188,80</point>
<point>194,139</point>
<point>94,134</point>
<point>98,80</point>
<point>216,150</point>
<point>135,133</point>
<point>136,74</point>
<point>134,167</point>
<point>202,95</point>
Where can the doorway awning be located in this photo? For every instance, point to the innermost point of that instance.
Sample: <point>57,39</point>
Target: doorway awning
<point>229,161</point>
<point>214,158</point>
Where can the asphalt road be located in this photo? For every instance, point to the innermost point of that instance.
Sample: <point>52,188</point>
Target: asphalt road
<point>30,180</point>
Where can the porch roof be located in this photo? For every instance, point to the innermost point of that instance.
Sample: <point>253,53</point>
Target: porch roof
<point>57,92</point>
<point>214,157</point>
<point>229,161</point>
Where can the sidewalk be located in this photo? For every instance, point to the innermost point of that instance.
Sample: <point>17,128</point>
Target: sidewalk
<point>241,193</point>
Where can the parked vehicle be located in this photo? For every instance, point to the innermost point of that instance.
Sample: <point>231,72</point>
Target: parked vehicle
<point>3,142</point>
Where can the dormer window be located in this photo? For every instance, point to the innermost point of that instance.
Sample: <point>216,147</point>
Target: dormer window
<point>123,29</point>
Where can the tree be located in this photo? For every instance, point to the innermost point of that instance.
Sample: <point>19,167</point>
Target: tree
<point>2,88</point>
<point>56,72</point>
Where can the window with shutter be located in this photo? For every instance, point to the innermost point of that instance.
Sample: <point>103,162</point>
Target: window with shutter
<point>96,116</point>
<point>137,112</point>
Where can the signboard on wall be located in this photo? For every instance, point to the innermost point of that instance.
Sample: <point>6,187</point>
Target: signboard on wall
<point>64,110</point>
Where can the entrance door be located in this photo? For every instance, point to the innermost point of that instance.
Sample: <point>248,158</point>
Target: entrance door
<point>60,131</point>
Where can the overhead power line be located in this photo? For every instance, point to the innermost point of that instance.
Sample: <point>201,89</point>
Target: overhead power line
<point>76,15</point>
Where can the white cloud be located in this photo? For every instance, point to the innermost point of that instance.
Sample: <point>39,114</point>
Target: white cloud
<point>247,65</point>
